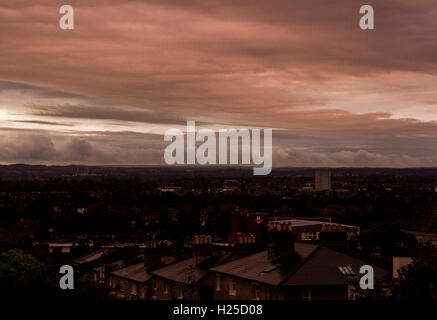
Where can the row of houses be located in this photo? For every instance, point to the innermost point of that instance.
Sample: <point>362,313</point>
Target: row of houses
<point>286,268</point>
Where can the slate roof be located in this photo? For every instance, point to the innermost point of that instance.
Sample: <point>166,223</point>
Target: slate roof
<point>184,271</point>
<point>91,257</point>
<point>310,265</point>
<point>322,269</point>
<point>258,267</point>
<point>136,272</point>
<point>106,255</point>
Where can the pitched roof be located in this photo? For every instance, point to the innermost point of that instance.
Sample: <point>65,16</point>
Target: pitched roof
<point>184,271</point>
<point>91,257</point>
<point>136,272</point>
<point>104,255</point>
<point>311,265</point>
<point>322,268</point>
<point>258,267</point>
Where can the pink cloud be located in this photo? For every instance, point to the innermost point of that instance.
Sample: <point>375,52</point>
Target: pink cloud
<point>299,66</point>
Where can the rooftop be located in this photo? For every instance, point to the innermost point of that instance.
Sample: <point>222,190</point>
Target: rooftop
<point>136,272</point>
<point>184,271</point>
<point>325,266</point>
<point>258,267</point>
<point>301,223</point>
<point>310,265</point>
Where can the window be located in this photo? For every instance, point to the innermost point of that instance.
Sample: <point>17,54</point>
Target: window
<point>65,250</point>
<point>217,282</point>
<point>309,235</point>
<point>165,287</point>
<point>256,291</point>
<point>233,288</point>
<point>117,284</point>
<point>124,286</point>
<point>306,295</point>
<point>276,294</point>
<point>133,289</point>
<point>352,293</point>
<point>155,284</point>
<point>101,274</point>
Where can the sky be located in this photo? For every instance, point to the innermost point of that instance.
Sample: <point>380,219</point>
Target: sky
<point>105,92</point>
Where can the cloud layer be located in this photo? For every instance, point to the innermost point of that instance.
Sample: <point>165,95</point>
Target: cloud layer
<point>106,91</point>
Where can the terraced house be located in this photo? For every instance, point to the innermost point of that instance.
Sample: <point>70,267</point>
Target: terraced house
<point>286,270</point>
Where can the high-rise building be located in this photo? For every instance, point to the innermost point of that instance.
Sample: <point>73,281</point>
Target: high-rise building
<point>322,179</point>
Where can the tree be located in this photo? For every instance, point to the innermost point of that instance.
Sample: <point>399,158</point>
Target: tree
<point>21,274</point>
<point>419,279</point>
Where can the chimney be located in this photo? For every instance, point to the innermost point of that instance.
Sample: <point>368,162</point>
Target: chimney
<point>244,244</point>
<point>245,239</point>
<point>152,254</point>
<point>202,248</point>
<point>280,240</point>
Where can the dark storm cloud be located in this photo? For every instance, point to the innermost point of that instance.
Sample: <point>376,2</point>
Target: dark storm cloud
<point>107,113</point>
<point>44,147</point>
<point>336,94</point>
<point>26,89</point>
<point>42,122</point>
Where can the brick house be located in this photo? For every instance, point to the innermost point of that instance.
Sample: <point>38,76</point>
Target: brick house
<point>131,282</point>
<point>290,270</point>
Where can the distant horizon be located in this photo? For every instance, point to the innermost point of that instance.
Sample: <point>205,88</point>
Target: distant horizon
<point>245,167</point>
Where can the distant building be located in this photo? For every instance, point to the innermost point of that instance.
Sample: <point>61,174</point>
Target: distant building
<point>54,252</point>
<point>310,230</point>
<point>322,179</point>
